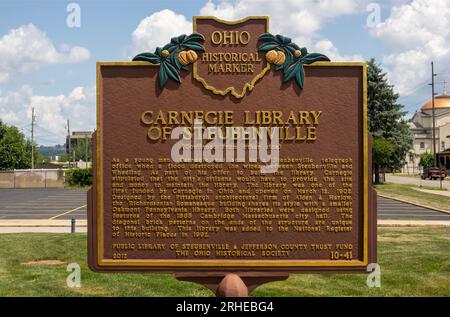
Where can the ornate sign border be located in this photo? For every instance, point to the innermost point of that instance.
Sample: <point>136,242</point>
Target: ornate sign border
<point>221,263</point>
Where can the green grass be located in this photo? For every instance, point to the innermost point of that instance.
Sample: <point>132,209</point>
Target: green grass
<point>410,193</point>
<point>414,262</point>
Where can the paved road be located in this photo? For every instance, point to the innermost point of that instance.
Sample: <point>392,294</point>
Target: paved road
<point>416,181</point>
<point>42,203</point>
<point>67,203</point>
<point>397,210</point>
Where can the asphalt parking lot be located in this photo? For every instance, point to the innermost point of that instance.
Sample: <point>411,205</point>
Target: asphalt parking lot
<point>67,203</point>
<point>43,203</point>
<point>397,210</point>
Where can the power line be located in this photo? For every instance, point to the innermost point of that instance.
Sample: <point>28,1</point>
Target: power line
<point>424,83</point>
<point>412,90</point>
<point>48,131</point>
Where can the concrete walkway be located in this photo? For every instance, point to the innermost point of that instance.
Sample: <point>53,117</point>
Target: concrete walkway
<point>41,225</point>
<point>413,223</point>
<point>41,229</point>
<point>416,181</point>
<point>436,192</point>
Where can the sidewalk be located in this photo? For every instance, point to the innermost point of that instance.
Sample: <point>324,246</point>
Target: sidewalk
<point>416,181</point>
<point>41,229</point>
<point>44,225</point>
<point>436,192</point>
<point>413,223</point>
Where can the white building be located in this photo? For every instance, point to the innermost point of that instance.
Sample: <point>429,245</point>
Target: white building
<point>421,125</point>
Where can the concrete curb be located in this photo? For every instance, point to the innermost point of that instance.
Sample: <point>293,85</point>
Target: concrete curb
<point>415,204</point>
<point>41,223</point>
<point>65,230</point>
<point>413,223</point>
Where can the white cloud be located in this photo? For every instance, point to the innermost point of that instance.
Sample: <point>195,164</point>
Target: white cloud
<point>157,29</point>
<point>326,47</point>
<point>415,34</point>
<point>13,105</point>
<point>27,48</point>
<point>301,20</point>
<point>51,112</point>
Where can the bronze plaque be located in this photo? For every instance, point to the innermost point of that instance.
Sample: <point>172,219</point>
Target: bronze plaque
<point>315,213</point>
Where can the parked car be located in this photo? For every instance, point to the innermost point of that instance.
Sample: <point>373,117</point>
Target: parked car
<point>434,173</point>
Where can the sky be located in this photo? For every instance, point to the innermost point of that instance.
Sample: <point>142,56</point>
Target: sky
<point>48,49</point>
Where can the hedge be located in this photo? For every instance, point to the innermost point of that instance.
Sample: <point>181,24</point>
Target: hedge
<point>79,177</point>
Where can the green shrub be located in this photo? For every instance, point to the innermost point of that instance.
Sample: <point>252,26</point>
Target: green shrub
<point>426,160</point>
<point>79,177</point>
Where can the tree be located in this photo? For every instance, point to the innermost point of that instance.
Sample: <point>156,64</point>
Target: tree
<point>15,150</point>
<point>386,118</point>
<point>82,150</point>
<point>382,152</point>
<point>426,160</point>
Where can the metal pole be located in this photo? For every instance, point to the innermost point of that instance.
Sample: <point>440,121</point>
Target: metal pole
<point>68,138</point>
<point>432,103</point>
<point>86,146</point>
<point>72,225</point>
<point>32,138</point>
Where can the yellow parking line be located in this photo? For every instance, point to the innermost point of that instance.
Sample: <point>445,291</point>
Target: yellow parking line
<point>66,212</point>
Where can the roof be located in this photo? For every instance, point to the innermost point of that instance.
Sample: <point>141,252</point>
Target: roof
<point>415,125</point>
<point>441,101</point>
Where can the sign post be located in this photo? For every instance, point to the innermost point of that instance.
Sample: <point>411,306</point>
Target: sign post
<point>231,157</point>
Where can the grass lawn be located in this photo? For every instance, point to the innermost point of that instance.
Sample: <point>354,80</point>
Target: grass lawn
<point>408,192</point>
<point>414,262</point>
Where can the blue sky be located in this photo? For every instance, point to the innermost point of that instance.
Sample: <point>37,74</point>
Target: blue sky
<point>49,66</point>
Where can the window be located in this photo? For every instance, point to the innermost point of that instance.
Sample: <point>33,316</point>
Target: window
<point>443,145</point>
<point>422,145</point>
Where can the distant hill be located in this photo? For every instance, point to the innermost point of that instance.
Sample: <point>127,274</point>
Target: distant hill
<point>52,150</point>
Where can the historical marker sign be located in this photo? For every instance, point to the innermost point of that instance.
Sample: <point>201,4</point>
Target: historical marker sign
<point>211,211</point>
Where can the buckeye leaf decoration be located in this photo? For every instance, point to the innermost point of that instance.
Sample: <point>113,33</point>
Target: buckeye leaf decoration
<point>288,56</point>
<point>168,57</point>
<point>147,57</point>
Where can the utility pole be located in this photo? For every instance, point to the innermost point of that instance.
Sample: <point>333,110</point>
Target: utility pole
<point>86,145</point>
<point>69,144</point>
<point>432,103</point>
<point>33,118</point>
<point>68,137</point>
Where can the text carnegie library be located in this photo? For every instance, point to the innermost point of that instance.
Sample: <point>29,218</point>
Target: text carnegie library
<point>293,125</point>
<point>267,118</point>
